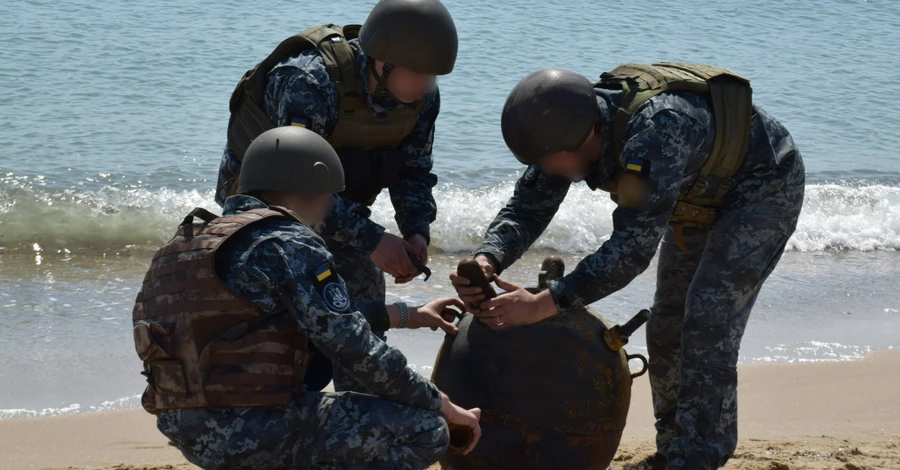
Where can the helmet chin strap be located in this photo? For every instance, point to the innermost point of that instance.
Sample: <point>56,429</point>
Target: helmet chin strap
<point>381,79</point>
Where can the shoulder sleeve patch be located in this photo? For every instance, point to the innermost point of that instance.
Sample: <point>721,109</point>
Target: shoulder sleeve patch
<point>331,287</point>
<point>529,178</point>
<point>323,272</point>
<point>638,167</point>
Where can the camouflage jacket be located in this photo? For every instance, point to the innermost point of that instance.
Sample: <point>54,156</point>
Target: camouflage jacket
<point>300,88</point>
<point>670,137</point>
<point>282,257</point>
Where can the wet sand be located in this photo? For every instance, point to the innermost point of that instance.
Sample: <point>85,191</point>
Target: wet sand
<point>842,416</point>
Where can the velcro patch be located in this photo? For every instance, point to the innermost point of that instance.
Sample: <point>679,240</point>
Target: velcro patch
<point>331,287</point>
<point>636,166</point>
<point>323,272</point>
<point>336,296</point>
<point>529,178</point>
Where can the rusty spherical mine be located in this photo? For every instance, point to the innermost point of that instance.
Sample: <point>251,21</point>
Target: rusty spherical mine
<point>552,394</point>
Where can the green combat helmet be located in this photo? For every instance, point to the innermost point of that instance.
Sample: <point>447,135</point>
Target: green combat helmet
<point>291,160</point>
<point>548,111</point>
<point>418,35</point>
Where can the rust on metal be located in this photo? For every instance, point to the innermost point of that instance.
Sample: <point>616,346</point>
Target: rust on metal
<point>553,394</point>
<point>552,268</point>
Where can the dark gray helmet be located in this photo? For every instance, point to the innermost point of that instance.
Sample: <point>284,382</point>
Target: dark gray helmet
<point>418,35</point>
<point>291,160</point>
<point>548,111</point>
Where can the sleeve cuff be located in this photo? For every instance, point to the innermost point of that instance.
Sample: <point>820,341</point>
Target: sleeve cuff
<point>370,236</point>
<point>377,316</point>
<point>562,296</point>
<point>495,255</point>
<point>409,232</point>
<point>435,398</point>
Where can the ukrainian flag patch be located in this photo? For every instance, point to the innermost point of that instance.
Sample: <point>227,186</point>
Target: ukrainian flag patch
<point>298,122</point>
<point>634,165</point>
<point>323,272</point>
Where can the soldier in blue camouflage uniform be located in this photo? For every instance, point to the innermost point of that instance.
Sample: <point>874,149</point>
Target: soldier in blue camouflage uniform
<point>563,126</point>
<point>403,424</point>
<point>384,134</point>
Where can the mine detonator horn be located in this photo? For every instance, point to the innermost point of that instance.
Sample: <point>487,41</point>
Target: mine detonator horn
<point>552,268</point>
<point>617,337</point>
<point>471,270</point>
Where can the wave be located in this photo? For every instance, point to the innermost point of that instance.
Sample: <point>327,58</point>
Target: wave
<point>124,403</point>
<point>836,216</point>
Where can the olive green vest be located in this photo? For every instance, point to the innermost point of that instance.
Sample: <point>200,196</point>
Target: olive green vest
<point>357,125</point>
<point>732,103</point>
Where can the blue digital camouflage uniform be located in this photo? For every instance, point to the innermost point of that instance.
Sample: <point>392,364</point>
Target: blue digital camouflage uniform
<point>399,428</point>
<point>300,88</point>
<point>704,296</point>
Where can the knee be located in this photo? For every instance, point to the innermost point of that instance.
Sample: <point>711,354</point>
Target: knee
<point>430,439</point>
<point>664,329</point>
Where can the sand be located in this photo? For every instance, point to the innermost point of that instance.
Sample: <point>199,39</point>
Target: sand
<point>792,416</point>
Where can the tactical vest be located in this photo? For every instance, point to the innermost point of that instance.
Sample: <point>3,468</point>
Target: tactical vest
<point>357,126</point>
<point>202,345</point>
<point>732,103</point>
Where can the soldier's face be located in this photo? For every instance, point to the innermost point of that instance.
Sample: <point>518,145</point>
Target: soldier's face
<point>408,86</point>
<point>575,164</point>
<point>312,209</point>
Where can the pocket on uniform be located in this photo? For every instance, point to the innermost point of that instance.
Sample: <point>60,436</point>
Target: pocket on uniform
<point>168,377</point>
<point>164,372</point>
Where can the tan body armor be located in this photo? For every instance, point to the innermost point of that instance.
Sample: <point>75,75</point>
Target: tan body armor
<point>204,346</point>
<point>357,126</point>
<point>732,103</point>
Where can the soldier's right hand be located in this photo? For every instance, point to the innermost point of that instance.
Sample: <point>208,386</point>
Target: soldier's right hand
<point>391,257</point>
<point>468,294</point>
<point>459,417</point>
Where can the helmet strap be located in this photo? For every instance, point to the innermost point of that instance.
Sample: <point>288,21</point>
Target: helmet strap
<point>381,79</point>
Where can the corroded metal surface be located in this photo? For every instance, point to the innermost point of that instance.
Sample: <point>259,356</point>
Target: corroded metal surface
<point>552,394</point>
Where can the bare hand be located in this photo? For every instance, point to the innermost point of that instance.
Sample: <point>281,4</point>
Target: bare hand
<point>436,314</point>
<point>390,256</point>
<point>515,307</point>
<point>472,295</point>
<point>464,418</point>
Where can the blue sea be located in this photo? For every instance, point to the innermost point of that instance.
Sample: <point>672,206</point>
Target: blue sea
<point>112,125</point>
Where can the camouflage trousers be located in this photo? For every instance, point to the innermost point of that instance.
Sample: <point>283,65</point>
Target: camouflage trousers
<point>315,431</point>
<point>365,283</point>
<point>702,304</point>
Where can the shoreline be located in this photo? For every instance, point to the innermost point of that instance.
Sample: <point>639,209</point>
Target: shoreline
<point>830,415</point>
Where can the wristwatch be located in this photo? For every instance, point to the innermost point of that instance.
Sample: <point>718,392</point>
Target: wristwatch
<point>404,314</point>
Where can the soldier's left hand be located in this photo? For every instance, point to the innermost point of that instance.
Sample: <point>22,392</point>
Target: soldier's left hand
<point>436,314</point>
<point>515,307</point>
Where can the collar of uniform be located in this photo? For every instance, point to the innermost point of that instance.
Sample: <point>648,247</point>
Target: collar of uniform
<point>241,203</point>
<point>607,104</point>
<point>381,106</point>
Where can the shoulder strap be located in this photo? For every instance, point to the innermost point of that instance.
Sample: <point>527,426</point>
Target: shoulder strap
<point>639,83</point>
<point>340,62</point>
<point>731,98</point>
<point>246,105</point>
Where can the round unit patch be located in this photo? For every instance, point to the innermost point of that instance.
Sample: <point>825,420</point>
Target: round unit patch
<point>336,297</point>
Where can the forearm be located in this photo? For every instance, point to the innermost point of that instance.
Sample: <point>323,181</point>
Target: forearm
<point>348,223</point>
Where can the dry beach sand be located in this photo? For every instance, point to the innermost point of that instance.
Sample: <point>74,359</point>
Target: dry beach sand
<point>841,415</point>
